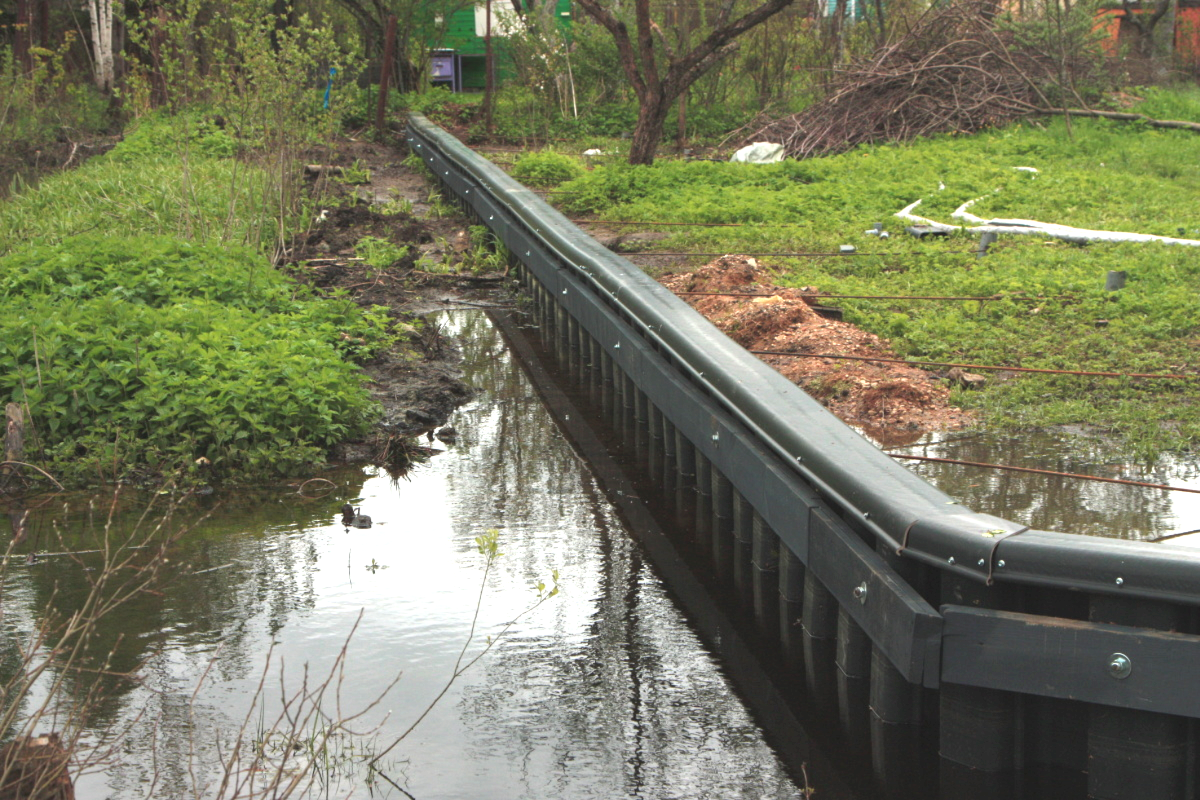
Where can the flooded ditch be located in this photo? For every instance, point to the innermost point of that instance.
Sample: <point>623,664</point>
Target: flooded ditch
<point>629,683</point>
<point>606,690</point>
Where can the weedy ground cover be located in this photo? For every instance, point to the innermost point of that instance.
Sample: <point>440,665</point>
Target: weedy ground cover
<point>144,327</point>
<point>1051,308</point>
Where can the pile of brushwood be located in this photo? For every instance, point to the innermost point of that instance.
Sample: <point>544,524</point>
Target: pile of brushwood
<point>958,70</point>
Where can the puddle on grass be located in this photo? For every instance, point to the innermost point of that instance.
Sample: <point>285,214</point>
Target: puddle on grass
<point>1060,503</point>
<point>604,691</point>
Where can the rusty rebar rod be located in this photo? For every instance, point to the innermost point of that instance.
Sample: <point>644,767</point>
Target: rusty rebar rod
<point>1164,375</point>
<point>1051,472</point>
<point>758,255</point>
<point>796,255</point>
<point>665,224</point>
<point>866,296</point>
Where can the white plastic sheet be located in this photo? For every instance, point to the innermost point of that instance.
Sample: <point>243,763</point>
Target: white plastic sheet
<point>759,153</point>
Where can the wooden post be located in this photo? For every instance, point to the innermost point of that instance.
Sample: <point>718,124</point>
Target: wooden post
<point>24,36</point>
<point>14,437</point>
<point>36,768</point>
<point>681,136</point>
<point>488,69</point>
<point>385,73</point>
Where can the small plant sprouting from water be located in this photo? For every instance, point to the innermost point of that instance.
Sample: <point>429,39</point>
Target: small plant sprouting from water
<point>487,544</point>
<point>356,174</point>
<point>439,207</point>
<point>338,756</point>
<point>380,253</point>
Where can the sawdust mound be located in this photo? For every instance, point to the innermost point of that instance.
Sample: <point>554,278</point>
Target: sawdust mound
<point>891,402</point>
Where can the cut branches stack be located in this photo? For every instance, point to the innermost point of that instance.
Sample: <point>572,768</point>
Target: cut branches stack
<point>956,70</point>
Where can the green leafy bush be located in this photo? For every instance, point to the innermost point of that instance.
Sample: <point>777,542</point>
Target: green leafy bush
<point>160,135</point>
<point>546,168</point>
<point>177,351</point>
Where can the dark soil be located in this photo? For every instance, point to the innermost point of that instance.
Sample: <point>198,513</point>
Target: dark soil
<point>30,163</point>
<point>416,394</point>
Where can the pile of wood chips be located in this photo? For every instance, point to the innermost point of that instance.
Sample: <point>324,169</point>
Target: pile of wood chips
<point>891,402</point>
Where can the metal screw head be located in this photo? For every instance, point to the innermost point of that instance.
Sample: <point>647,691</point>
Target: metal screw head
<point>860,593</point>
<point>1120,581</point>
<point>950,560</point>
<point>1119,666</point>
<point>982,562</point>
<point>1000,563</point>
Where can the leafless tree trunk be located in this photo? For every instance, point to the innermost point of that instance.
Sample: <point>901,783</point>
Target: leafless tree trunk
<point>101,12</point>
<point>657,88</point>
<point>24,35</point>
<point>1145,23</point>
<point>43,23</point>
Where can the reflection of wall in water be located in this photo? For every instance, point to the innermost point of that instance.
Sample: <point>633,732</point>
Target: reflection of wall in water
<point>627,702</point>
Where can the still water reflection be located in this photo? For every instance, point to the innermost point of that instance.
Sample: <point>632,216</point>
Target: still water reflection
<point>605,691</point>
<point>1060,503</point>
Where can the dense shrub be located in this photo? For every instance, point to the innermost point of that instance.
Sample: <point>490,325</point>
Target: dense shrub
<point>173,352</point>
<point>546,168</point>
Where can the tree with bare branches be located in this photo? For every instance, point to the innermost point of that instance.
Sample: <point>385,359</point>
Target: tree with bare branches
<point>659,74</point>
<point>1141,20</point>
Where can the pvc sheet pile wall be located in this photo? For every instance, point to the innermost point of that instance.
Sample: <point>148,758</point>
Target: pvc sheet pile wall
<point>908,617</point>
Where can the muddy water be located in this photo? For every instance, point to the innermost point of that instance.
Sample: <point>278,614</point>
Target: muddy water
<point>604,691</point>
<point>1060,503</point>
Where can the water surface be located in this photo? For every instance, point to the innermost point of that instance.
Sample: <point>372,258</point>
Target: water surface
<point>604,691</point>
<point>1062,503</point>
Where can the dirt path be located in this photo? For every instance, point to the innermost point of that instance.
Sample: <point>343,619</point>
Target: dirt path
<point>396,207</point>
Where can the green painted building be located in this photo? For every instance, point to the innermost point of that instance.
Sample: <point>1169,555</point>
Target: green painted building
<point>465,32</point>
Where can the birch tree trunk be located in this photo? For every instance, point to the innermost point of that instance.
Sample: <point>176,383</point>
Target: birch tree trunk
<point>101,12</point>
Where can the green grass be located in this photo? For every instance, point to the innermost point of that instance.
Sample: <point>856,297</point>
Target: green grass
<point>1111,176</point>
<point>145,329</point>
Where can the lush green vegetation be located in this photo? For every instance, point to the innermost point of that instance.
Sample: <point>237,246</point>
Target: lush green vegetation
<point>1112,176</point>
<point>147,352</point>
<point>145,327</point>
<point>546,168</point>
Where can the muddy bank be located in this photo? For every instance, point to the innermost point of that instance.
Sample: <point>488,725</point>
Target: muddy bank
<point>890,401</point>
<point>28,163</point>
<point>418,383</point>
